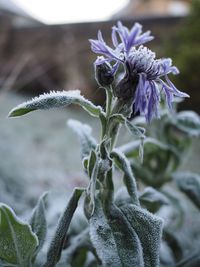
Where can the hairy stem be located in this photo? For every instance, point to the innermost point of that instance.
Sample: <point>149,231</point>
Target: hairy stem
<point>109,99</point>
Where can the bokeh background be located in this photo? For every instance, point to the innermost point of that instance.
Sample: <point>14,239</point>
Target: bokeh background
<point>44,46</point>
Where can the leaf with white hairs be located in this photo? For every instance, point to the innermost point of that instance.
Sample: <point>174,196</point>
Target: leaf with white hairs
<point>56,100</point>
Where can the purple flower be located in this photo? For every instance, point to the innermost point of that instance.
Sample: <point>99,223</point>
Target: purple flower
<point>152,80</point>
<point>145,76</point>
<point>128,39</point>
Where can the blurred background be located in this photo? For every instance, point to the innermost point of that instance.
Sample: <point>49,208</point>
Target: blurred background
<point>44,46</point>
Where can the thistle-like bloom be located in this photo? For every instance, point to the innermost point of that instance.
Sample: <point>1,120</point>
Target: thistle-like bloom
<point>145,76</point>
<point>152,79</point>
<point>121,47</point>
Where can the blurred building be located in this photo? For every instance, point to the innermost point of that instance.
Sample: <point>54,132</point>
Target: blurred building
<point>14,16</point>
<point>138,8</point>
<point>35,57</point>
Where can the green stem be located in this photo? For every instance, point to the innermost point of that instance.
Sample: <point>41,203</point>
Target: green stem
<point>105,118</point>
<point>114,134</point>
<point>108,102</point>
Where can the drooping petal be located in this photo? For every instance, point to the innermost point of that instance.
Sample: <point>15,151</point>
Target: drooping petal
<point>175,90</point>
<point>153,102</point>
<point>140,99</point>
<point>99,46</point>
<point>168,96</point>
<point>144,38</point>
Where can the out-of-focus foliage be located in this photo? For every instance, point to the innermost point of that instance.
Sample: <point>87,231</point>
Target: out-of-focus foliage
<point>185,51</point>
<point>165,150</point>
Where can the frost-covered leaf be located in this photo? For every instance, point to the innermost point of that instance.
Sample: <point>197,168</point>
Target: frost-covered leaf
<point>152,199</point>
<point>117,118</point>
<point>158,164</point>
<point>136,131</point>
<point>122,197</point>
<point>56,246</point>
<point>91,163</point>
<point>105,162</point>
<point>92,189</point>
<point>189,183</point>
<point>74,254</point>
<point>189,122</point>
<point>103,148</point>
<point>103,120</point>
<point>38,221</point>
<point>56,100</point>
<point>116,243</point>
<point>130,149</point>
<point>148,227</point>
<point>84,132</point>
<point>129,179</point>
<point>17,241</point>
<point>79,222</point>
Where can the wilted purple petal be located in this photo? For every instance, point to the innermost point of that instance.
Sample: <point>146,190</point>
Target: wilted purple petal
<point>175,90</point>
<point>144,38</point>
<point>135,31</point>
<point>169,96</point>
<point>114,38</point>
<point>140,99</point>
<point>153,102</point>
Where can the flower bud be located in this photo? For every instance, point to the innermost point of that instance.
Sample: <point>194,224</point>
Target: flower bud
<point>104,74</point>
<point>126,87</point>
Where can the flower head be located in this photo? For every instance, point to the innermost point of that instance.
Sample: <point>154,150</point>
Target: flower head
<point>123,40</point>
<point>145,76</point>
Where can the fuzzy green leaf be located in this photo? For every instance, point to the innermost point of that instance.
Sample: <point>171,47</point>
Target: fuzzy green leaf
<point>56,246</point>
<point>84,132</point>
<point>122,197</point>
<point>189,122</point>
<point>116,243</point>
<point>129,179</point>
<point>17,241</point>
<point>92,189</point>
<point>130,150</point>
<point>189,183</point>
<point>152,199</point>
<point>92,162</point>
<point>159,162</point>
<point>79,244</point>
<point>38,221</point>
<point>56,100</point>
<point>136,131</point>
<point>148,227</point>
